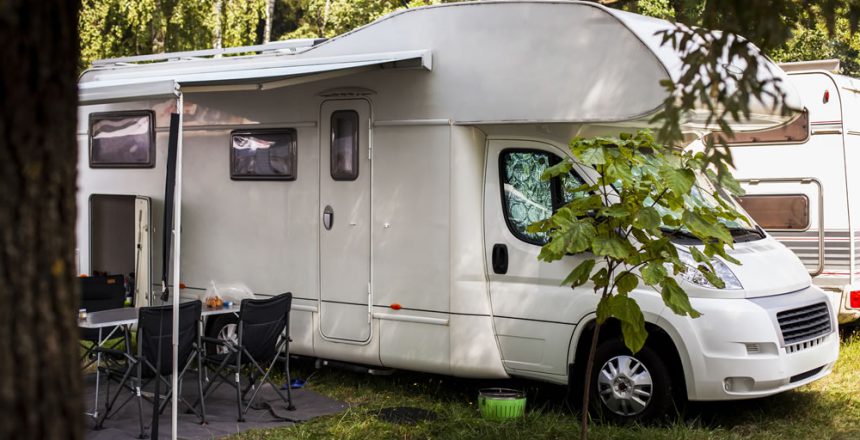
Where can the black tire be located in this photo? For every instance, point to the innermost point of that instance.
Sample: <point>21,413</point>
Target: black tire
<point>216,327</point>
<point>624,393</point>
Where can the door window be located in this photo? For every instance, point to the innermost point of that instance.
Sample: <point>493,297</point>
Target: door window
<point>344,145</point>
<point>528,199</point>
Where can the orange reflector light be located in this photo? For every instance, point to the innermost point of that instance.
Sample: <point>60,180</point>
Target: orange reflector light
<point>395,306</point>
<point>83,275</point>
<point>854,299</point>
<point>181,285</point>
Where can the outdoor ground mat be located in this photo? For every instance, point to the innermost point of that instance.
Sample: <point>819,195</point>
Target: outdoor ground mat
<point>268,411</point>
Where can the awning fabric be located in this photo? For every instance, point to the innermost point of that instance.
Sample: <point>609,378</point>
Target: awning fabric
<point>113,86</point>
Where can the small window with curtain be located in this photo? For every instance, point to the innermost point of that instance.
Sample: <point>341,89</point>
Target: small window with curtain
<point>263,154</point>
<point>526,198</point>
<point>778,211</point>
<point>122,140</point>
<point>344,145</point>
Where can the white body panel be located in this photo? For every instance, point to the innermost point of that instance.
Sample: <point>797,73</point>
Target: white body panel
<point>432,198</point>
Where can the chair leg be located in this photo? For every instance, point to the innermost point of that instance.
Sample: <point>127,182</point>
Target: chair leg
<point>239,386</point>
<point>200,388</point>
<point>290,406</point>
<point>140,401</point>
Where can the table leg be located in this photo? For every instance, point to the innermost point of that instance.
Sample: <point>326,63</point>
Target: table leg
<point>98,373</point>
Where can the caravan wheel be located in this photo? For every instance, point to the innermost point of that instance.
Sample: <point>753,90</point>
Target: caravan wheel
<point>629,387</point>
<point>224,327</point>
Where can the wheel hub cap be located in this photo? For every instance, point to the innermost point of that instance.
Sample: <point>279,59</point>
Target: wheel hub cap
<point>624,385</point>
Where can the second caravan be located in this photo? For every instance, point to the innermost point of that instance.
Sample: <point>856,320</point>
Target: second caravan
<point>800,183</point>
<point>385,178</point>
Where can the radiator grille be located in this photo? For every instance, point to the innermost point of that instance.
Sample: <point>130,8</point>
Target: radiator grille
<point>804,323</point>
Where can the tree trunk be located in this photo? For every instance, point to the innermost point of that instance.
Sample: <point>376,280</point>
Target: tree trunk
<point>589,366</point>
<point>217,40</point>
<point>40,377</point>
<point>270,15</point>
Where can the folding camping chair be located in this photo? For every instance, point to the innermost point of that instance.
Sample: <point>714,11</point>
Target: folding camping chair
<point>97,294</point>
<point>142,369</point>
<point>263,338</point>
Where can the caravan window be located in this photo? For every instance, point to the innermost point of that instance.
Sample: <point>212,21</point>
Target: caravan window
<point>526,198</point>
<point>122,139</point>
<point>778,211</point>
<point>263,154</point>
<point>344,145</point>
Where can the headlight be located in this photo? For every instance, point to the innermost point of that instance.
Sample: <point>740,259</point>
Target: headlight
<point>722,271</point>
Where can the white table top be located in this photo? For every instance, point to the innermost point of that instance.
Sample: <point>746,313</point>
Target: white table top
<point>128,315</point>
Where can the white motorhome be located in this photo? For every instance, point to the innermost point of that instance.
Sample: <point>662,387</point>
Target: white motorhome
<point>799,182</point>
<point>385,177</point>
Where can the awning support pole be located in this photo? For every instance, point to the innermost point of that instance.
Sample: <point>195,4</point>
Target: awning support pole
<point>177,246</point>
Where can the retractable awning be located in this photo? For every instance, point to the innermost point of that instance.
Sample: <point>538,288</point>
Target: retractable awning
<point>113,84</point>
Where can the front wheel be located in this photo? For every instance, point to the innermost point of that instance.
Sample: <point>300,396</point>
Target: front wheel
<point>628,387</point>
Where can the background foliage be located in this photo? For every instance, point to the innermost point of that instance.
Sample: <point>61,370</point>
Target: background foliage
<point>111,28</point>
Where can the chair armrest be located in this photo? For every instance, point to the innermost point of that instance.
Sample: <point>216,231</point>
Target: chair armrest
<point>115,353</point>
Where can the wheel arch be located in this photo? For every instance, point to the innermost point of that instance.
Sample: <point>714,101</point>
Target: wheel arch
<point>663,341</point>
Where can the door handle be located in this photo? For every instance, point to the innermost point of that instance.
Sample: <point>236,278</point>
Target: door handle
<point>500,258</point>
<point>328,217</point>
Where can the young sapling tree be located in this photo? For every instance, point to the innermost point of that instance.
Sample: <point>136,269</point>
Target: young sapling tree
<point>644,197</point>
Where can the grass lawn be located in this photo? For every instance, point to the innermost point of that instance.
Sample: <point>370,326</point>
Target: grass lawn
<point>826,409</point>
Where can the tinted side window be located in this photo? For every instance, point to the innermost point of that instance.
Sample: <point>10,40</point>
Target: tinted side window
<point>778,211</point>
<point>263,155</point>
<point>122,139</point>
<point>344,145</point>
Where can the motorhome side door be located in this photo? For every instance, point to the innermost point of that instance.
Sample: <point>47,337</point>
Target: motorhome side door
<point>345,220</point>
<point>534,315</point>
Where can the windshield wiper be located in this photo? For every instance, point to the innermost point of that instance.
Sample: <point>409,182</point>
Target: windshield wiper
<point>757,230</point>
<point>679,231</point>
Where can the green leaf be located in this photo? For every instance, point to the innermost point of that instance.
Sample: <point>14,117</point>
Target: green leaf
<point>600,279</point>
<point>647,218</point>
<point>619,171</point>
<point>558,169</point>
<point>679,181</point>
<point>579,275</point>
<point>698,256</point>
<point>711,277</point>
<point>612,246</point>
<point>730,184</point>
<point>676,299</point>
<point>627,311</point>
<point>654,273</point>
<point>625,282</point>
<point>581,206</point>
<point>592,156</point>
<point>616,210</point>
<point>700,226</point>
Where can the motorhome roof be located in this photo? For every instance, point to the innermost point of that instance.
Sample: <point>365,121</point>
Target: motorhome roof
<point>530,61</point>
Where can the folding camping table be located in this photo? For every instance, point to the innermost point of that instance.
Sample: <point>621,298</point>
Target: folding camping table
<point>124,318</point>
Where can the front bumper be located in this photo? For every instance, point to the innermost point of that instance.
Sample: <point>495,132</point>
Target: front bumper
<point>735,350</point>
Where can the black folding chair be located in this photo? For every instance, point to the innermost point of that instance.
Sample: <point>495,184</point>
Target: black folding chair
<point>263,339</point>
<point>97,294</point>
<point>142,369</point>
